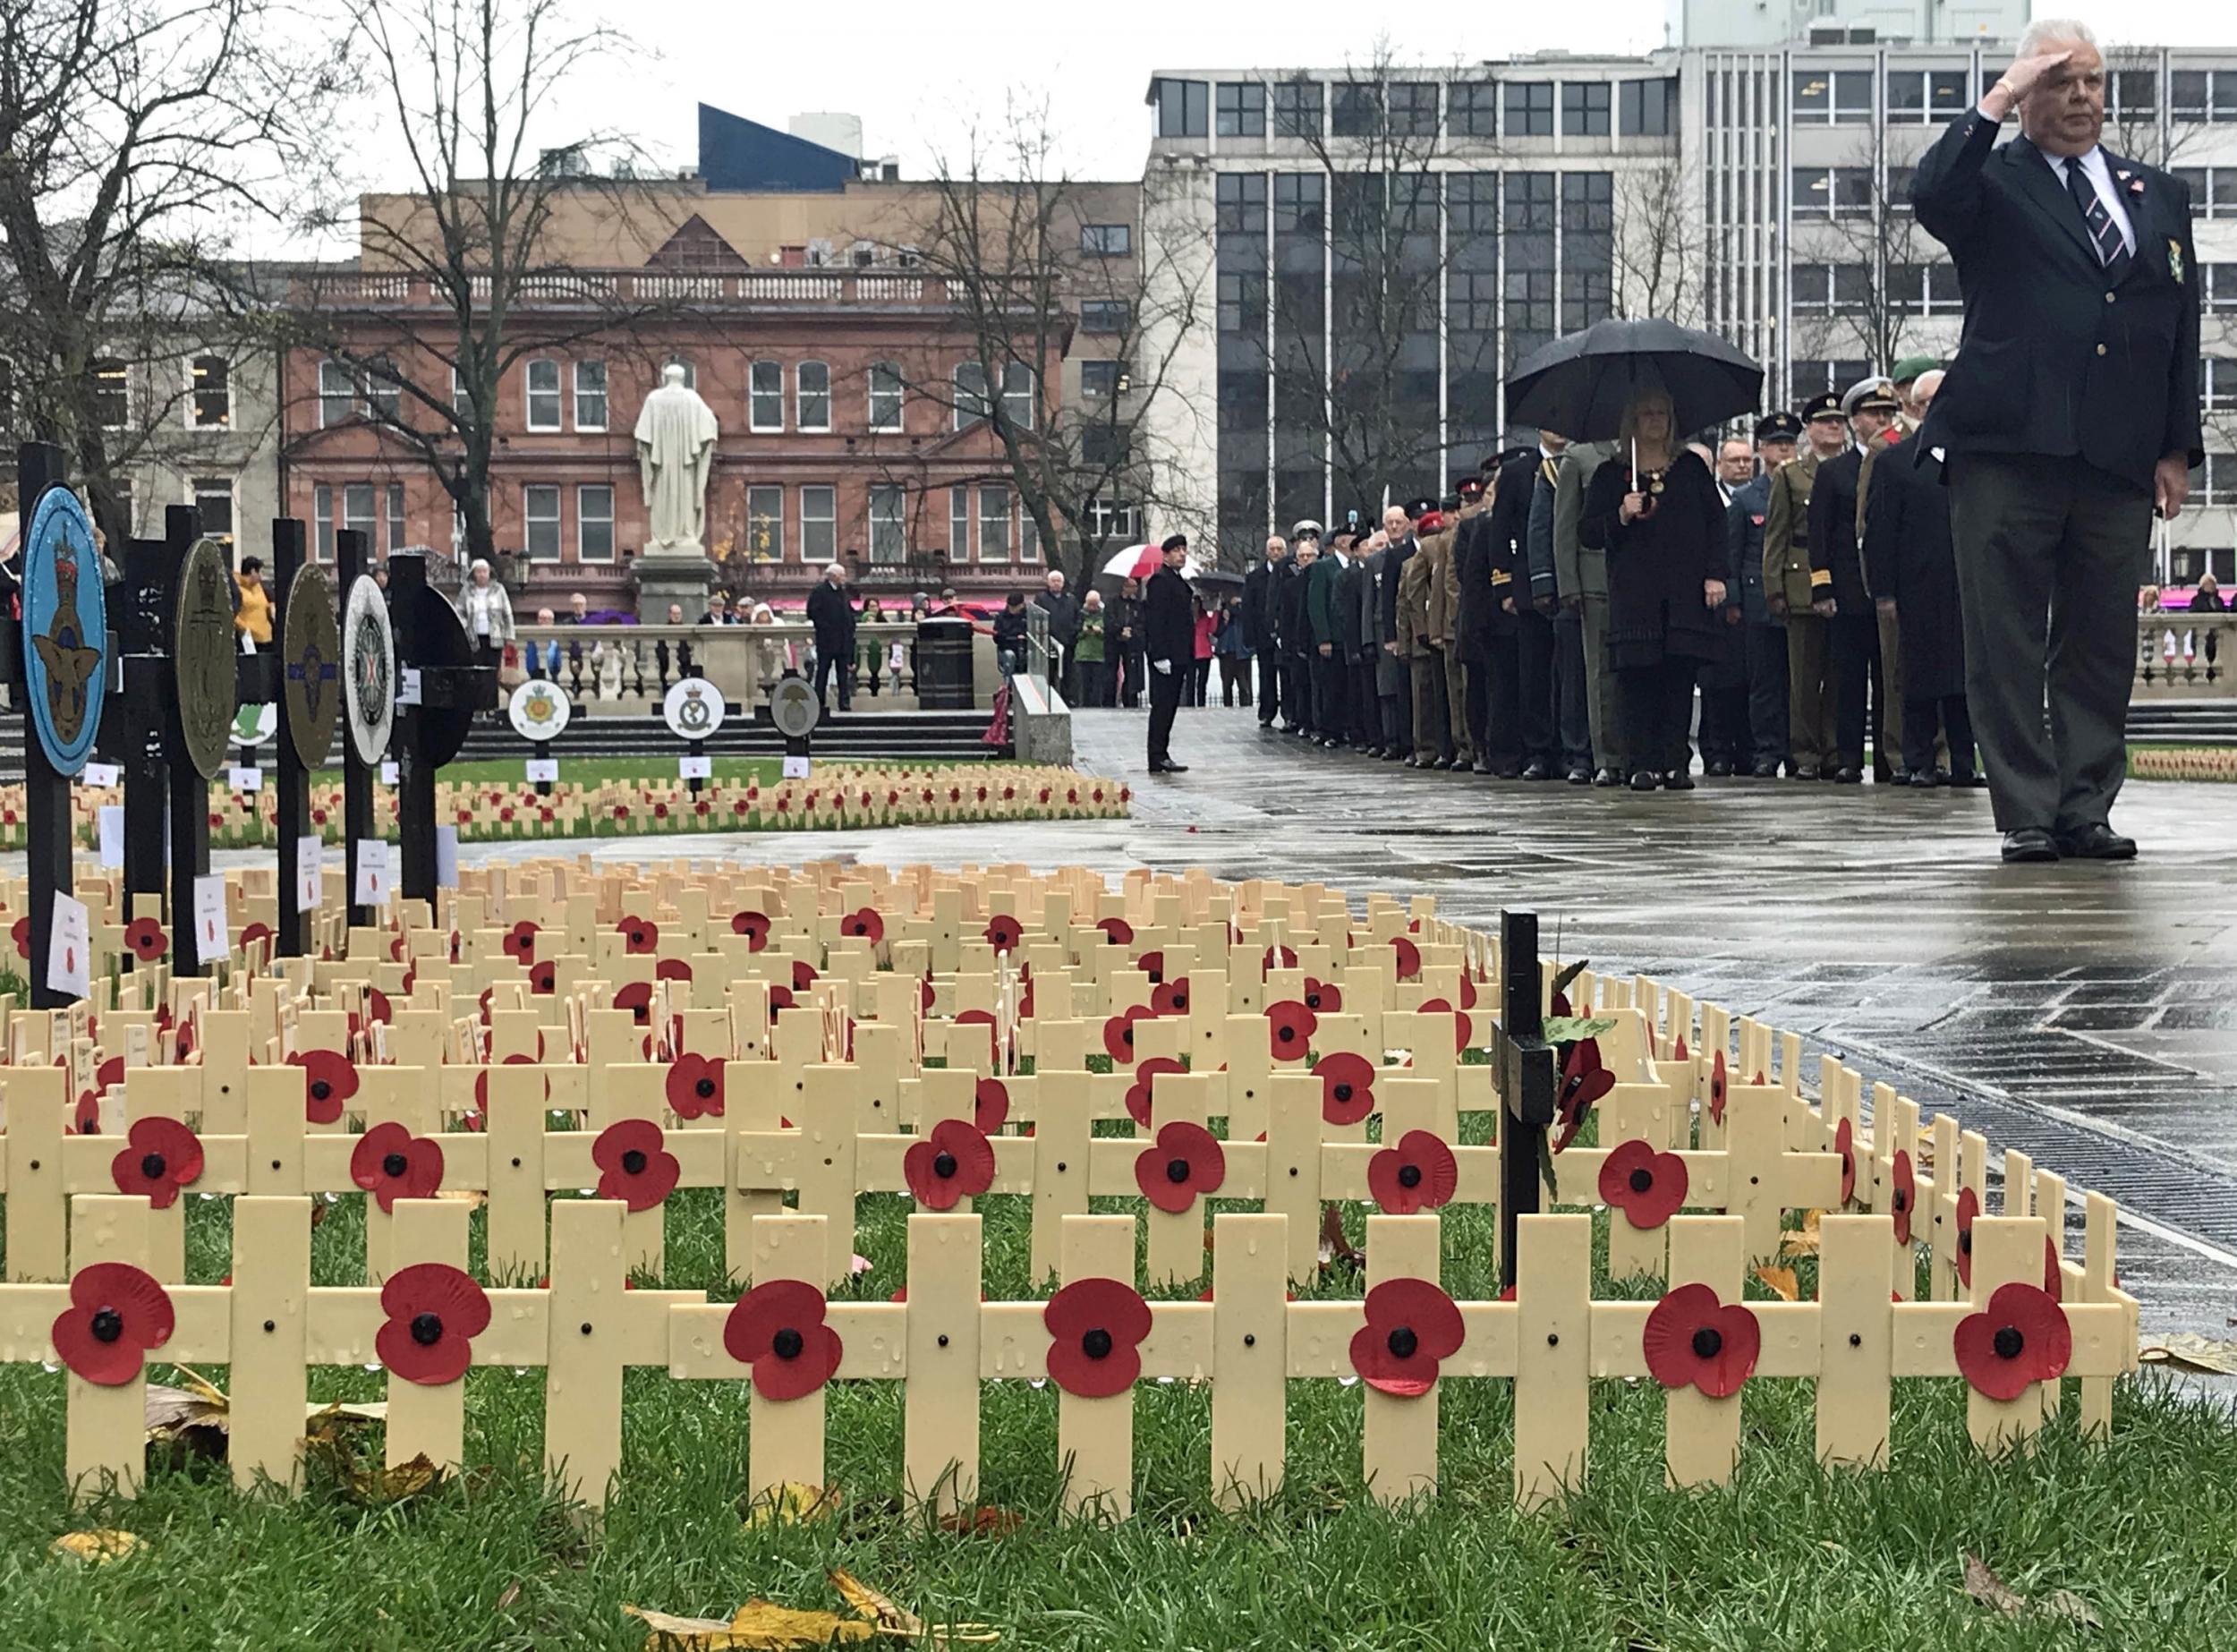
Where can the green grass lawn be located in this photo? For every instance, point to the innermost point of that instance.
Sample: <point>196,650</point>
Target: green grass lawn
<point>1789,1558</point>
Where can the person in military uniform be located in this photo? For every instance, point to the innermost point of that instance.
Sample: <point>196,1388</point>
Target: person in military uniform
<point>1297,629</point>
<point>1261,590</point>
<point>1324,596</point>
<point>1506,522</point>
<point>1472,628</point>
<point>1393,670</point>
<point>1837,591</point>
<point>1787,592</point>
<point>1763,637</point>
<point>1444,620</point>
<point>1425,674</point>
<point>1581,574</point>
<point>1359,714</point>
<point>1367,707</point>
<point>1887,657</point>
<point>1540,663</point>
<point>1911,572</point>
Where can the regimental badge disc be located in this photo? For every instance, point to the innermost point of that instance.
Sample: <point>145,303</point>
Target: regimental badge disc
<point>539,710</point>
<point>369,669</point>
<point>253,725</point>
<point>65,630</point>
<point>794,708</point>
<point>445,651</point>
<point>311,650</point>
<point>694,709</point>
<point>202,653</point>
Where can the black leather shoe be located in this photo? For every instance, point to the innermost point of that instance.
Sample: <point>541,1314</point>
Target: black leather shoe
<point>1607,778</point>
<point>1678,781</point>
<point>1970,778</point>
<point>1897,775</point>
<point>1801,771</point>
<point>2029,843</point>
<point>1720,769</point>
<point>1848,777</point>
<point>1764,771</point>
<point>1535,771</point>
<point>1644,780</point>
<point>2095,841</point>
<point>1581,777</point>
<point>1927,780</point>
<point>1396,755</point>
<point>1174,768</point>
<point>1481,767</point>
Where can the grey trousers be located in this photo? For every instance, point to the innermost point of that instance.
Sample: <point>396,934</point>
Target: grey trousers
<point>2050,552</point>
<point>1604,692</point>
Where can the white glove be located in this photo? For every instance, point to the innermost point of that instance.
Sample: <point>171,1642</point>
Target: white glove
<point>1164,668</point>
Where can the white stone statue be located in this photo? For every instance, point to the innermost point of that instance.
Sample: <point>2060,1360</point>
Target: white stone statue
<point>676,450</point>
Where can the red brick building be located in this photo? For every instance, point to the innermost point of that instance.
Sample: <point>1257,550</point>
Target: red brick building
<point>842,395</point>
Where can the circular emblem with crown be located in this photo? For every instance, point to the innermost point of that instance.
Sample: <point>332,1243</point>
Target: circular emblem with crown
<point>694,709</point>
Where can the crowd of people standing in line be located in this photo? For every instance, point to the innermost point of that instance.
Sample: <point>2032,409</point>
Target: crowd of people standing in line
<point>1555,617</point>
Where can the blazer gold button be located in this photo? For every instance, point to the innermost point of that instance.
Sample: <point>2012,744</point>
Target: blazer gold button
<point>2108,298</point>
<point>2100,349</point>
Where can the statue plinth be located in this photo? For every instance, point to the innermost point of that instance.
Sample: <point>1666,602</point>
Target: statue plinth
<point>680,575</point>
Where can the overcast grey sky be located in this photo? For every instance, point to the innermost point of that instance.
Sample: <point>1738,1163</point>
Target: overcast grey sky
<point>915,72</point>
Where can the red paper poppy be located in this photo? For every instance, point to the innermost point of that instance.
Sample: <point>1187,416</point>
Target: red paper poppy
<point>1153,964</point>
<point>147,940</point>
<point>543,977</point>
<point>865,924</point>
<point>395,950</point>
<point>1409,958</point>
<point>2020,1338</point>
<point>1968,1206</point>
<point>1138,1092</point>
<point>1095,1328</point>
<point>1420,1174</point>
<point>117,1313</point>
<point>924,995</point>
<point>161,1156</point>
<point>1118,1034</point>
<point>1463,1029</point>
<point>694,1087</point>
<point>781,996</point>
<point>1346,1086</point>
<point>1003,931</point>
<point>1693,1341</point>
<point>636,998</point>
<point>1278,957</point>
<point>1411,1326</point>
<point>1647,1186</point>
<point>1183,1163</point>
<point>1289,1029</point>
<point>777,1328</point>
<point>1116,930</point>
<point>21,931</point>
<point>86,1120</point>
<point>1467,991</point>
<point>671,969</point>
<point>1583,1081</point>
<point>2053,1275</point>
<point>804,974</point>
<point>377,1005</point>
<point>990,1105</point>
<point>634,1165</point>
<point>1845,1145</point>
<point>642,934</point>
<point>329,1081</point>
<point>1716,1089</point>
<point>1904,1197</point>
<point>754,926</point>
<point>1323,998</point>
<point>391,1163</point>
<point>109,1073</point>
<point>435,1311</point>
<point>955,1162</point>
<point>481,1079</point>
<point>1171,999</point>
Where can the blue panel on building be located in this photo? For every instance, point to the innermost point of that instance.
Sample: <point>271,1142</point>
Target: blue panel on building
<point>738,154</point>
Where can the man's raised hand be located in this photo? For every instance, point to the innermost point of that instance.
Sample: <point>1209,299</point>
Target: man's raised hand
<point>2022,77</point>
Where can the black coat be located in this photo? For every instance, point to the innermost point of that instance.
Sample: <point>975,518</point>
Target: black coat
<point>1168,620</point>
<point>833,617</point>
<point>1656,564</point>
<point>1348,640</point>
<point>1386,602</point>
<point>2053,359</point>
<point>1834,533</point>
<point>1292,627</point>
<point>1508,552</point>
<point>1064,617</point>
<point>1907,555</point>
<point>1743,535</point>
<point>1472,552</point>
<point>1263,578</point>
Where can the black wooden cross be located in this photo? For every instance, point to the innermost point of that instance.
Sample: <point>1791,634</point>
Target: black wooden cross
<point>1524,1065</point>
<point>445,688</point>
<point>291,783</point>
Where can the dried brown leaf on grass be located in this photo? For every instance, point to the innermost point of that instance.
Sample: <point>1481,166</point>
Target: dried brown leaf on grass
<point>2187,1351</point>
<point>758,1624</point>
<point>1803,1242</point>
<point>794,1502</point>
<point>97,1547</point>
<point>1781,1282</point>
<point>1991,1590</point>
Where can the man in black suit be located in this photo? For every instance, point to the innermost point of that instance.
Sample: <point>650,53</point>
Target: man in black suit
<point>1261,591</point>
<point>1169,624</point>
<point>2071,412</point>
<point>1507,562</point>
<point>1837,575</point>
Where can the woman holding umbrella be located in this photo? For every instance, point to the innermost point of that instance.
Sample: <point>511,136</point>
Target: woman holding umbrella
<point>1654,509</point>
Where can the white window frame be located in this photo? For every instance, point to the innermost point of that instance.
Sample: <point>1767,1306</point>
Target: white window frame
<point>587,392</point>
<point>1021,401</point>
<point>818,510</point>
<point>330,370</point>
<point>530,394</point>
<point>966,395</point>
<point>199,488</point>
<point>801,374</point>
<point>124,371</point>
<point>530,520</point>
<point>584,518</point>
<point>755,396</point>
<point>897,522</point>
<point>994,493</point>
<point>322,521</point>
<point>775,550</point>
<point>959,523</point>
<point>386,401</point>
<point>895,391</point>
<point>193,407</point>
<point>395,520</point>
<point>368,523</point>
<point>1028,534</point>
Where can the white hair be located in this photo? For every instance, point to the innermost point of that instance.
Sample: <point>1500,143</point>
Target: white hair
<point>2047,34</point>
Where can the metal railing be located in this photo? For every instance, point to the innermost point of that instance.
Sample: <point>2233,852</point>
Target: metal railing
<point>2185,656</point>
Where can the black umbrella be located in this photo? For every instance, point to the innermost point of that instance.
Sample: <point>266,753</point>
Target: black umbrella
<point>1579,385</point>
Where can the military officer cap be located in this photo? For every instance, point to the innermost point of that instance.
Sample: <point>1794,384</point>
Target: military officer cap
<point>1508,454</point>
<point>1778,427</point>
<point>1343,534</point>
<point>1418,508</point>
<point>1911,366</point>
<point>1306,528</point>
<point>1826,406</point>
<point>1467,487</point>
<point>1870,396</point>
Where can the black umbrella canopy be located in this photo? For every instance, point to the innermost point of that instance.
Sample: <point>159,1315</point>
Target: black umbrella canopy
<point>1580,384</point>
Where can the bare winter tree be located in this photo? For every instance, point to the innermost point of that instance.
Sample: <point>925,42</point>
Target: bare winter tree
<point>468,86</point>
<point>1866,268</point>
<point>1658,257</point>
<point>137,137</point>
<point>1035,263</point>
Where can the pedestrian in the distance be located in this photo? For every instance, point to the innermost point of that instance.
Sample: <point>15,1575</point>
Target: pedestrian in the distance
<point>833,617</point>
<point>485,612</point>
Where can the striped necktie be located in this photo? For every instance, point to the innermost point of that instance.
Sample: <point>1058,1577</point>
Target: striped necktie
<point>2112,251</point>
